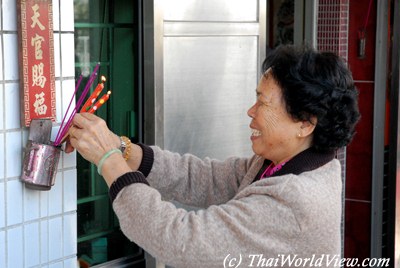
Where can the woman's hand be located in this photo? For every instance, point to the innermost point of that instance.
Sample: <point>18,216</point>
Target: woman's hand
<point>91,137</point>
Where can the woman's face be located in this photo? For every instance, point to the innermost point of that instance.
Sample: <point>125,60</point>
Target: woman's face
<point>275,134</point>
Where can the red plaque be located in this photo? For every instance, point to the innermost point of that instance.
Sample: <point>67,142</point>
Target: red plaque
<point>36,58</point>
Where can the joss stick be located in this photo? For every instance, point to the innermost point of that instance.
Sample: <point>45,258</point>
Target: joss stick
<point>65,128</point>
<point>87,87</point>
<point>69,105</point>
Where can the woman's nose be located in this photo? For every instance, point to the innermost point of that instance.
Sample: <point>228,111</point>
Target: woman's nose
<point>251,111</point>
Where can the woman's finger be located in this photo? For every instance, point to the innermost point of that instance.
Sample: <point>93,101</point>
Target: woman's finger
<point>90,116</point>
<point>68,147</point>
<point>71,131</point>
<point>75,132</point>
<point>90,123</point>
<point>80,121</point>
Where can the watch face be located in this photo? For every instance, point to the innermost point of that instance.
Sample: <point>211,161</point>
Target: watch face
<point>123,145</point>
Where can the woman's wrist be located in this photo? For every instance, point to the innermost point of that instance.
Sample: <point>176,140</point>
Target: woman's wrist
<point>135,158</point>
<point>114,167</point>
<point>104,158</point>
<point>125,180</point>
<point>139,157</point>
<point>147,159</point>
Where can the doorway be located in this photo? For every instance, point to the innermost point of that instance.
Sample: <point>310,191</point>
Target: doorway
<point>291,22</point>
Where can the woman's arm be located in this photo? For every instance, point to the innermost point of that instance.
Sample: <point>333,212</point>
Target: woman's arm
<point>186,178</point>
<point>194,181</point>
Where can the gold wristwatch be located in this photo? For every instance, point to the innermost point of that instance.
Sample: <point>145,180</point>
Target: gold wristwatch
<point>123,144</point>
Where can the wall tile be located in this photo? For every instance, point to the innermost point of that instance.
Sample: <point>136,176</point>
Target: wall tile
<point>9,17</point>
<point>57,64</point>
<point>13,154</point>
<point>15,247</point>
<point>44,241</point>
<point>357,229</point>
<point>55,238</point>
<point>71,263</point>
<point>44,203</point>
<point>67,21</point>
<point>31,244</point>
<point>25,137</point>
<point>55,196</point>
<point>59,111</point>
<point>67,93</point>
<point>70,195</point>
<point>70,160</point>
<point>12,105</point>
<point>2,206</point>
<point>68,55</point>
<point>11,57</point>
<point>14,202</point>
<point>2,159</point>
<point>31,204</point>
<point>57,265</point>
<point>2,107</point>
<point>2,249</point>
<point>70,235</point>
<point>1,20</point>
<point>1,59</point>
<point>56,15</point>
<point>54,132</point>
<point>60,163</point>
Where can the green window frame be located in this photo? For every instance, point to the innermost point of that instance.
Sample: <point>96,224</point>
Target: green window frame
<point>106,34</point>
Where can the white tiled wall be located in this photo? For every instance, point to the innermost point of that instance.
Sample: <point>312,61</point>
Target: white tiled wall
<point>37,228</point>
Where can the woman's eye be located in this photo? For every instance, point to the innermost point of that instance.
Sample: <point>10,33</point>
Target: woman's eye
<point>261,102</point>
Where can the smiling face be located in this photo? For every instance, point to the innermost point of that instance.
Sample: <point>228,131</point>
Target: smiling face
<point>276,136</point>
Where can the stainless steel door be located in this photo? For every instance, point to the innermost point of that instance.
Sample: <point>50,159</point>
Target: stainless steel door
<point>201,73</point>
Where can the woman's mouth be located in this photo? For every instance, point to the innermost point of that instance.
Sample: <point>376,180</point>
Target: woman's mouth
<point>255,133</point>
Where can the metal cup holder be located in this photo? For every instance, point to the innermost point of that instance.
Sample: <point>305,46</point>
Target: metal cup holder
<point>41,157</point>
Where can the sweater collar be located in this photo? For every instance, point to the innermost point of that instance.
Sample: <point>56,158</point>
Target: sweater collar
<point>306,160</point>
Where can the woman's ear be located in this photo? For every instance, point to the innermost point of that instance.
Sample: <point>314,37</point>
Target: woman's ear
<point>307,127</point>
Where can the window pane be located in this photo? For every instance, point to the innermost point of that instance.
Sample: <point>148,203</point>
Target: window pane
<point>89,11</point>
<point>94,217</point>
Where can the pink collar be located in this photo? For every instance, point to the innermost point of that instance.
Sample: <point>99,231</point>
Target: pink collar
<point>271,169</point>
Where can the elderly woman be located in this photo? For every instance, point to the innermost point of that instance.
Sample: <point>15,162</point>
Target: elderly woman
<point>280,207</point>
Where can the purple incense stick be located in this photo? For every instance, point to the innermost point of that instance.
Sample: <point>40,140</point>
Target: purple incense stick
<point>64,129</point>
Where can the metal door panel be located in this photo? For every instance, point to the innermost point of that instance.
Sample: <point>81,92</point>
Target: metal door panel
<point>209,83</point>
<point>211,10</point>
<point>210,28</point>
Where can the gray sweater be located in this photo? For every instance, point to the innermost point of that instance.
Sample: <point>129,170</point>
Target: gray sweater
<point>290,218</point>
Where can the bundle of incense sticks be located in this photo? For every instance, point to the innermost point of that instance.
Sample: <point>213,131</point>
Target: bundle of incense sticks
<point>90,106</point>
